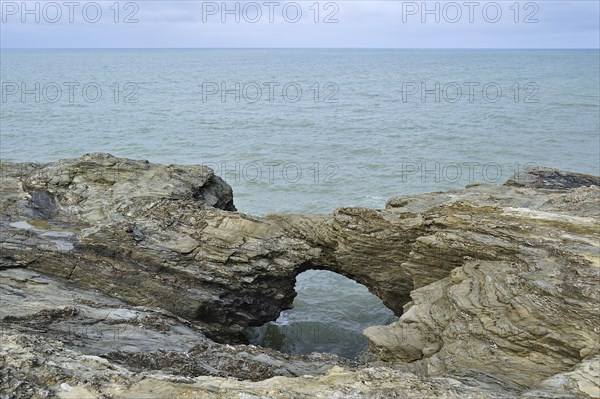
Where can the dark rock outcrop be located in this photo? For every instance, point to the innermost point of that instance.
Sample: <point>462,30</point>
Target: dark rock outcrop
<point>552,179</point>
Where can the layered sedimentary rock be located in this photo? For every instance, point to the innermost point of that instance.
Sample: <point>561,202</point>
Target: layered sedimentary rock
<point>59,340</point>
<point>138,336</point>
<point>506,282</point>
<point>497,286</point>
<point>150,235</point>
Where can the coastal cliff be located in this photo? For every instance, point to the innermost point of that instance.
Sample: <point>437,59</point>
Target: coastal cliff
<point>147,275</point>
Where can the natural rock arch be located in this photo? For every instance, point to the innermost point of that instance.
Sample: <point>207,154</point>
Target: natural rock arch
<point>330,312</point>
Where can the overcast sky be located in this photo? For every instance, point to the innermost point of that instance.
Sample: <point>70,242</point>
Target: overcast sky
<point>354,24</point>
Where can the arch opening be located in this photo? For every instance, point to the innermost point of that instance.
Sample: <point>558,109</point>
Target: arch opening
<point>329,314</point>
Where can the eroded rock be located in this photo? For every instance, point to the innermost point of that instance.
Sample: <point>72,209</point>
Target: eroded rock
<point>496,285</point>
<point>141,337</point>
<point>506,283</point>
<point>150,234</point>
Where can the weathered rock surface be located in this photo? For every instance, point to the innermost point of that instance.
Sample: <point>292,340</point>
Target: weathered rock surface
<point>507,283</point>
<point>150,234</point>
<point>59,340</point>
<point>497,286</point>
<point>141,337</point>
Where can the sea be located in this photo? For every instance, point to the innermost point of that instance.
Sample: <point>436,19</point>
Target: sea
<point>311,130</point>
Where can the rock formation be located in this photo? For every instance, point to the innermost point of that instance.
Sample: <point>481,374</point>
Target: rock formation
<point>150,235</point>
<point>496,286</point>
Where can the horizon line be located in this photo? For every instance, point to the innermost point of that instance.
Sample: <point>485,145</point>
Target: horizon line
<point>299,48</point>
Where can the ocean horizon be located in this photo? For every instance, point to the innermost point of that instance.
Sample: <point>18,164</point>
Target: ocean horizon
<point>315,142</point>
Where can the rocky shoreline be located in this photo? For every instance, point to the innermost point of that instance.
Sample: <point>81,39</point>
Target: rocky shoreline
<point>124,279</point>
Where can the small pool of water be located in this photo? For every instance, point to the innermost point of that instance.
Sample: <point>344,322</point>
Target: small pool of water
<point>329,315</point>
